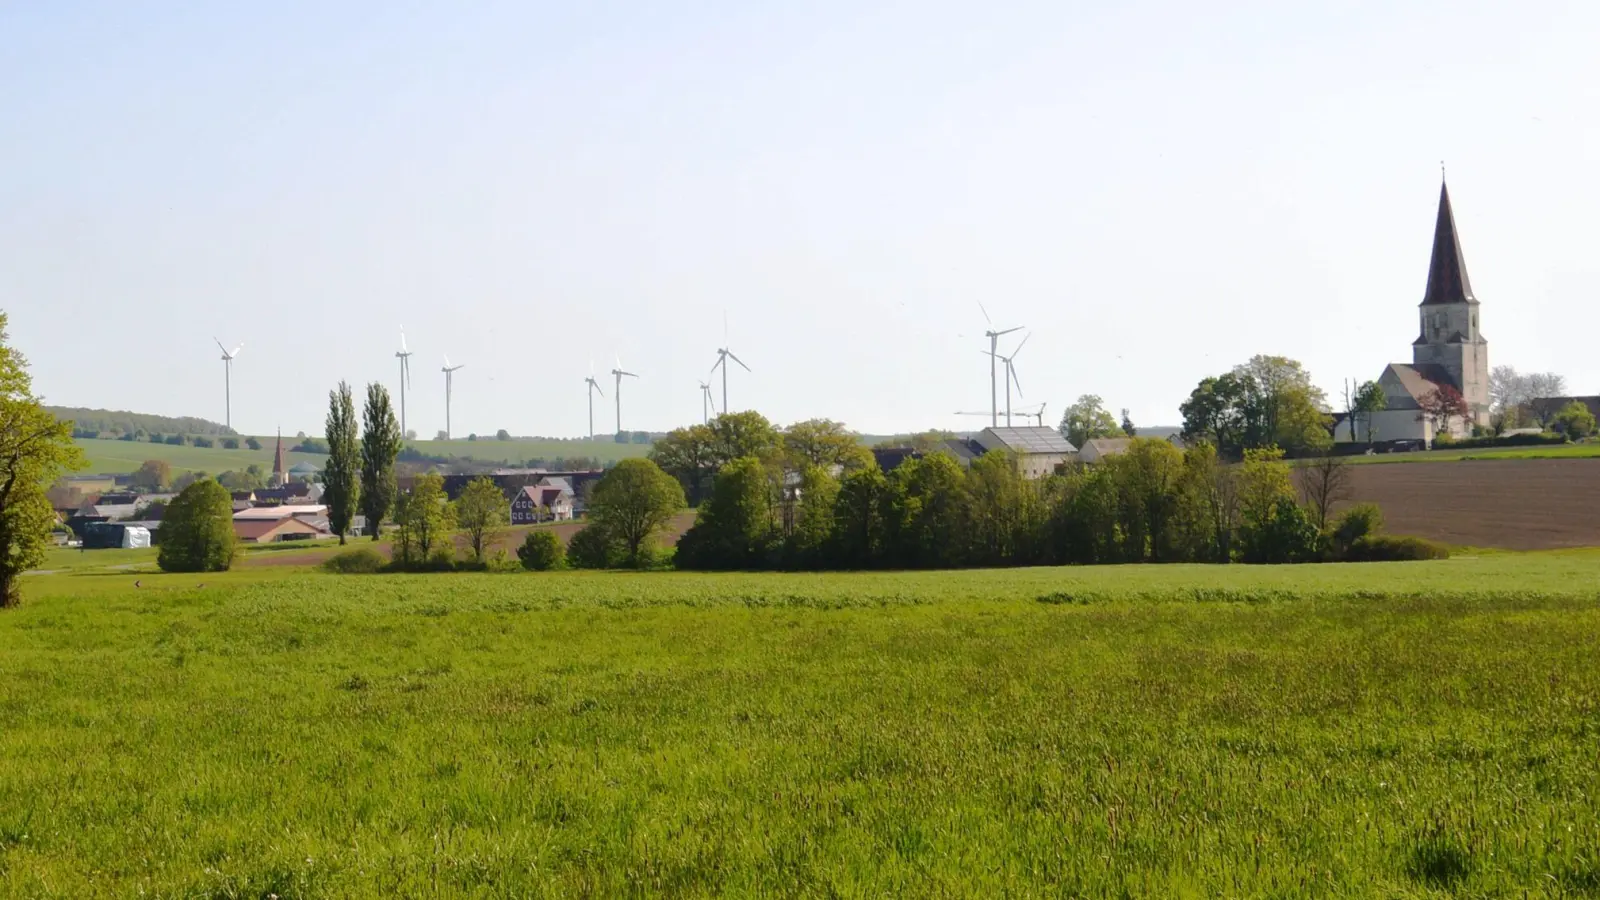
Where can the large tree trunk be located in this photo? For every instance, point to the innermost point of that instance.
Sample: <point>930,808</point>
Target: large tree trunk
<point>10,595</point>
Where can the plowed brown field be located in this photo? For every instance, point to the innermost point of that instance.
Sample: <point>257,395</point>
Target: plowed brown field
<point>1514,504</point>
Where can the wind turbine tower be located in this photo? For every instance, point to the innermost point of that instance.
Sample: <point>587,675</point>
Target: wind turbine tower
<point>449,375</point>
<point>994,354</point>
<point>227,380</point>
<point>723,355</point>
<point>1011,374</point>
<point>706,404</point>
<point>594,388</point>
<point>619,373</point>
<point>404,355</point>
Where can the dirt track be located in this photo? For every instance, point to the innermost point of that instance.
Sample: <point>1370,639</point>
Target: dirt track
<point>1514,504</point>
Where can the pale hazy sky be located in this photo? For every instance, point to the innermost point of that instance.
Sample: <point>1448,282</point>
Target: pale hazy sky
<point>1158,190</point>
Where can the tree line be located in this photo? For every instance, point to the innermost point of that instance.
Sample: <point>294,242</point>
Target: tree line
<point>107,423</point>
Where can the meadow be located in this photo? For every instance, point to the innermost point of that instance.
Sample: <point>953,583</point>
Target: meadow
<point>1586,450</point>
<point>125,456</point>
<point>1419,729</point>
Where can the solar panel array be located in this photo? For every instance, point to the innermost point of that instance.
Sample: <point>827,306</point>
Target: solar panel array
<point>1033,440</point>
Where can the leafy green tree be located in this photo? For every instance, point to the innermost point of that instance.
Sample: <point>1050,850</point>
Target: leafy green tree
<point>1086,420</point>
<point>811,529</point>
<point>734,529</point>
<point>634,502</point>
<point>1369,399</point>
<point>737,435</point>
<point>35,449</point>
<point>197,530</point>
<point>1149,477</point>
<point>1573,420</point>
<point>542,551</point>
<point>482,512</point>
<point>858,520</point>
<point>153,474</point>
<point>825,443</point>
<point>1268,401</point>
<point>252,443</point>
<point>230,443</point>
<point>928,513</point>
<point>341,477</point>
<point>998,499</point>
<point>1127,424</point>
<point>689,455</point>
<point>593,547</point>
<point>502,435</point>
<point>380,445</point>
<point>423,521</point>
<point>1272,526</point>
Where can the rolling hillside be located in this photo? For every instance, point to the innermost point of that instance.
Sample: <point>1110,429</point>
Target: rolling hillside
<point>125,456</point>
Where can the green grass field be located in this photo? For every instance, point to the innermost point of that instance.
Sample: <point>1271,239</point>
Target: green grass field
<point>518,451</point>
<point>1590,450</point>
<point>126,456</point>
<point>1423,729</point>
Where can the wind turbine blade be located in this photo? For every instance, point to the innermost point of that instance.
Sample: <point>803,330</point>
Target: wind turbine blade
<point>739,361</point>
<point>720,360</point>
<point>220,347</point>
<point>447,360</point>
<point>1014,380</point>
<point>236,350</point>
<point>1009,330</point>
<point>985,313</point>
<point>1021,345</point>
<point>403,348</point>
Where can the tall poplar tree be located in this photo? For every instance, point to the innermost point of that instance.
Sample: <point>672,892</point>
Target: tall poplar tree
<point>341,477</point>
<point>35,450</point>
<point>380,445</point>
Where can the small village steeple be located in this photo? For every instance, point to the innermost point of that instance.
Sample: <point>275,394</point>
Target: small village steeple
<point>280,476</point>
<point>1447,272</point>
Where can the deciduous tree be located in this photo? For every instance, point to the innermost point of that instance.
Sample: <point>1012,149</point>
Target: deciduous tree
<point>197,530</point>
<point>380,445</point>
<point>482,512</point>
<point>1441,404</point>
<point>1574,420</point>
<point>153,474</point>
<point>1323,481</point>
<point>1086,420</point>
<point>825,443</point>
<point>423,520</point>
<point>341,477</point>
<point>35,449</point>
<point>633,503</point>
<point>1369,399</point>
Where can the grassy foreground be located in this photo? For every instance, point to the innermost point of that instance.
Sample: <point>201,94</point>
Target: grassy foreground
<point>1393,730</point>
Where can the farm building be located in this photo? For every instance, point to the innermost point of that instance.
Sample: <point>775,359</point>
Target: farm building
<point>1038,450</point>
<point>266,524</point>
<point>1096,449</point>
<point>1449,353</point>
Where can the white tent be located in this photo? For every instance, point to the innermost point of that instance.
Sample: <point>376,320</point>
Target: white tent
<point>134,536</point>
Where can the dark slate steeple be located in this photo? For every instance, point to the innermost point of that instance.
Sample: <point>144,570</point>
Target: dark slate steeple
<point>1447,273</point>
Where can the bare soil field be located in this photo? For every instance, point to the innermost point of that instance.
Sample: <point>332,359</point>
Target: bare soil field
<point>1513,504</point>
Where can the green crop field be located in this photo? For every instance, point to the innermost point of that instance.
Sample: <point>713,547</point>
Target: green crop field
<point>126,456</point>
<point>1422,729</point>
<point>1588,450</point>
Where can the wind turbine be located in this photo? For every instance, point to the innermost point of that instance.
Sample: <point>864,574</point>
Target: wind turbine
<point>227,380</point>
<point>404,355</point>
<point>1011,374</point>
<point>594,386</point>
<point>449,373</point>
<point>706,403</point>
<point>723,355</point>
<point>994,354</point>
<point>619,373</point>
<point>1037,414</point>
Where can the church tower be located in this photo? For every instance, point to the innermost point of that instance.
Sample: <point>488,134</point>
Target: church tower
<point>279,476</point>
<point>1450,337</point>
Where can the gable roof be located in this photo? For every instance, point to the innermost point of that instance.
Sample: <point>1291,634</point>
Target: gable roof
<point>1447,271</point>
<point>1028,440</point>
<point>274,513</point>
<point>1106,446</point>
<point>1420,380</point>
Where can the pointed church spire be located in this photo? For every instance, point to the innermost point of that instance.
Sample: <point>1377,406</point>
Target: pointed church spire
<point>279,476</point>
<point>1447,273</point>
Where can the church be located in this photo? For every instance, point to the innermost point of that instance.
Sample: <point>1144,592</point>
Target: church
<point>1449,351</point>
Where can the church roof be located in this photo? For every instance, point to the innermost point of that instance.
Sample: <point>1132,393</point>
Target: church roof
<point>1447,272</point>
<point>1421,380</point>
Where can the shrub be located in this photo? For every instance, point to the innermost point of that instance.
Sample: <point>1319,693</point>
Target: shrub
<point>1395,548</point>
<point>595,548</point>
<point>358,561</point>
<point>542,551</point>
<point>197,530</point>
<point>1359,521</point>
<point>1287,536</point>
<point>1574,421</point>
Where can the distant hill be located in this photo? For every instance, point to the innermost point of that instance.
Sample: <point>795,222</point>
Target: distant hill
<point>116,422</point>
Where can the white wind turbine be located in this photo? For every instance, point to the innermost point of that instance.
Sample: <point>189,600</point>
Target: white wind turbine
<point>619,372</point>
<point>594,388</point>
<point>1011,374</point>
<point>994,354</point>
<point>706,403</point>
<point>404,355</point>
<point>227,380</point>
<point>449,376</point>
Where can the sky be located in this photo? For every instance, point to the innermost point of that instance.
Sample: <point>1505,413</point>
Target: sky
<point>1157,190</point>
